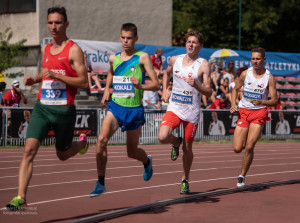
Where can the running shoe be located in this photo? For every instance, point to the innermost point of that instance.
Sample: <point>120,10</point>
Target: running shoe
<point>175,150</point>
<point>241,182</point>
<point>148,171</point>
<point>16,204</point>
<point>83,138</point>
<point>99,189</point>
<point>185,189</point>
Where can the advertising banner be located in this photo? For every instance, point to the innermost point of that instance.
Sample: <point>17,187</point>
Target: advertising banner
<point>279,64</point>
<point>285,122</point>
<point>86,122</point>
<point>220,122</point>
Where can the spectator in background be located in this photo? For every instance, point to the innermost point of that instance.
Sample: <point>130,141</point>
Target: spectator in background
<point>282,126</point>
<point>220,103</point>
<point>213,71</point>
<point>216,127</point>
<point>239,93</point>
<point>13,97</point>
<point>241,69</point>
<point>213,63</point>
<point>91,73</point>
<point>230,68</point>
<point>223,89</point>
<point>157,61</point>
<point>2,89</point>
<point>279,105</point>
<point>151,100</point>
<point>216,73</point>
<point>23,126</point>
<point>160,78</point>
<point>164,105</point>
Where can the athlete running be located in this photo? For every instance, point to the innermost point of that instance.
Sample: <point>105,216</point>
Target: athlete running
<point>189,72</point>
<point>63,72</point>
<point>127,75</point>
<point>258,82</point>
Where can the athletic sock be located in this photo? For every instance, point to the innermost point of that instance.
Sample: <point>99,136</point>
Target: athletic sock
<point>101,179</point>
<point>147,163</point>
<point>242,176</point>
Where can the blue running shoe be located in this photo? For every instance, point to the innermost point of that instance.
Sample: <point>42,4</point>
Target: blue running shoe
<point>99,189</point>
<point>148,172</point>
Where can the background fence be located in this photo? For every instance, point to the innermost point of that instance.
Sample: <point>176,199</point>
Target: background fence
<point>213,125</point>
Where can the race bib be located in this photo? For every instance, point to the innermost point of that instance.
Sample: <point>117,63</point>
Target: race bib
<point>252,93</point>
<point>122,86</point>
<point>182,97</point>
<point>54,93</point>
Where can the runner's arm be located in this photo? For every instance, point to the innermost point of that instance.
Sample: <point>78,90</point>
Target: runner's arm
<point>235,90</point>
<point>166,77</point>
<point>146,63</point>
<point>109,80</point>
<point>272,92</point>
<point>203,74</point>
<point>76,59</point>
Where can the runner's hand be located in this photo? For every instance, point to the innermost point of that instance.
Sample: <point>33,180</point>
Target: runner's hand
<point>165,96</point>
<point>28,81</point>
<point>135,82</point>
<point>233,109</point>
<point>105,97</point>
<point>190,81</point>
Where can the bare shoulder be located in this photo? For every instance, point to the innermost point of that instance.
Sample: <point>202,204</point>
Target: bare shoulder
<point>75,49</point>
<point>205,64</point>
<point>243,75</point>
<point>111,58</point>
<point>173,59</point>
<point>272,80</point>
<point>43,49</point>
<point>144,56</point>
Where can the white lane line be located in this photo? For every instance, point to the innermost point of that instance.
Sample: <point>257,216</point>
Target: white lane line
<point>162,173</point>
<point>139,166</point>
<point>125,160</point>
<point>156,186</point>
<point>111,157</point>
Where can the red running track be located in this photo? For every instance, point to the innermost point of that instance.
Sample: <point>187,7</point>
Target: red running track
<point>58,191</point>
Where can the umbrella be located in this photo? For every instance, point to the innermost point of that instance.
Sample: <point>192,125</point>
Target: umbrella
<point>224,53</point>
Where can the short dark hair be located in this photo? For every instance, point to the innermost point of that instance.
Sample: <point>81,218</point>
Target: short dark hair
<point>129,27</point>
<point>197,34</point>
<point>2,85</point>
<point>258,50</point>
<point>59,10</point>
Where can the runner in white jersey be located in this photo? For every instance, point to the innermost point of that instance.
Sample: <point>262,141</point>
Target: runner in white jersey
<point>185,100</point>
<point>258,82</point>
<point>189,74</point>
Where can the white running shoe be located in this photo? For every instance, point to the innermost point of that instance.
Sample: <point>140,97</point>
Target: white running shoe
<point>241,182</point>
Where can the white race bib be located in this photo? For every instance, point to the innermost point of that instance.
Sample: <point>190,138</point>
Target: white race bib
<point>250,93</point>
<point>122,86</point>
<point>54,93</point>
<point>182,97</point>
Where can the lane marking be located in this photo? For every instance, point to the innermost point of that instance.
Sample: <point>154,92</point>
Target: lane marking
<point>139,175</point>
<point>156,186</point>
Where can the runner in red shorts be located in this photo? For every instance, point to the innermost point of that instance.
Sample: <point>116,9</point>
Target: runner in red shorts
<point>258,82</point>
<point>189,72</point>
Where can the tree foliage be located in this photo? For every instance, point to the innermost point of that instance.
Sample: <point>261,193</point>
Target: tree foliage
<point>272,24</point>
<point>10,53</point>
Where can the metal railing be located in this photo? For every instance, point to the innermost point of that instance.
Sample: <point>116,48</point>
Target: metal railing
<point>150,129</point>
